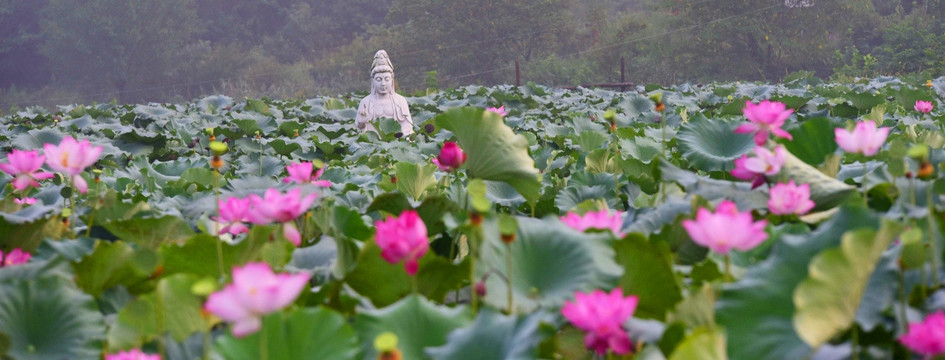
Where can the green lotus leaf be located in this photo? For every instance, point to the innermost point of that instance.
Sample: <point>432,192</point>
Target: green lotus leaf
<point>141,231</point>
<point>493,336</point>
<point>417,323</point>
<point>813,140</point>
<point>825,191</point>
<point>494,151</point>
<point>827,300</point>
<point>550,261</point>
<point>758,310</point>
<point>648,273</point>
<point>704,343</point>
<point>712,145</point>
<point>414,179</point>
<point>113,263</point>
<point>385,283</point>
<point>310,333</point>
<point>172,307</point>
<point>48,318</point>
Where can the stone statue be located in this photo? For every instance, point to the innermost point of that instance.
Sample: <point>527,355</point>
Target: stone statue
<point>383,101</point>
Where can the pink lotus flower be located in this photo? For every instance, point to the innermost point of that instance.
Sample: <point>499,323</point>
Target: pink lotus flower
<point>602,315</point>
<point>924,107</point>
<point>255,292</point>
<point>403,238</point>
<point>726,229</point>
<point>25,201</point>
<point>602,220</point>
<point>499,110</point>
<point>764,163</point>
<point>767,116</point>
<point>451,157</point>
<point>275,207</point>
<point>23,166</point>
<point>233,212</point>
<point>926,337</point>
<point>865,138</point>
<point>14,257</point>
<point>301,173</point>
<point>790,199</point>
<point>71,158</point>
<point>133,354</point>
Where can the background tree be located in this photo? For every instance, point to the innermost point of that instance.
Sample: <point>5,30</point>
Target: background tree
<point>21,62</point>
<point>116,44</point>
<point>473,40</point>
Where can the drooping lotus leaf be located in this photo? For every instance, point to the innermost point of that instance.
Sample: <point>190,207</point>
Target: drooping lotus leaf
<point>758,310</point>
<point>828,299</point>
<point>493,151</point>
<point>825,191</point>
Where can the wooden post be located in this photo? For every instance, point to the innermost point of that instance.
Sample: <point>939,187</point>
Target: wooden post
<point>623,76</point>
<point>518,75</point>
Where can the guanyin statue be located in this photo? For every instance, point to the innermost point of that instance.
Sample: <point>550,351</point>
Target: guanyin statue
<point>383,101</point>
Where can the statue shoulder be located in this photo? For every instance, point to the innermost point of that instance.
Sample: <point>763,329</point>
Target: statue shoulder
<point>401,103</point>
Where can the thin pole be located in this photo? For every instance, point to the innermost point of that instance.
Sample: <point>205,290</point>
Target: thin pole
<point>518,75</point>
<point>623,76</point>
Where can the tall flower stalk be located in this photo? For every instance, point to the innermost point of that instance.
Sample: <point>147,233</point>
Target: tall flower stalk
<point>216,163</point>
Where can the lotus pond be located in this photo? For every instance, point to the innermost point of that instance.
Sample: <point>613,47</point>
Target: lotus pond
<point>801,220</point>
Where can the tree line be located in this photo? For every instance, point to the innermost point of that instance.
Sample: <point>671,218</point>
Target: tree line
<point>63,51</point>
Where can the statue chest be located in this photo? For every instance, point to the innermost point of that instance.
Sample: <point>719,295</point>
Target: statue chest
<point>385,109</point>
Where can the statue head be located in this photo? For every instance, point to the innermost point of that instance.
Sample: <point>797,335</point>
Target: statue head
<point>382,74</point>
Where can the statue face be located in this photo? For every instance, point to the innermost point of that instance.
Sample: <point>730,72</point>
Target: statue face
<point>383,83</point>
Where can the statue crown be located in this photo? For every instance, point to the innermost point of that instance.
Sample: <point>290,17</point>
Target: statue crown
<point>381,63</point>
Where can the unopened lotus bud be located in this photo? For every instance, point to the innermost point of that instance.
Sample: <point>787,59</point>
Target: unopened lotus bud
<point>296,133</point>
<point>657,97</point>
<point>926,170</point>
<point>386,346</point>
<point>480,288</point>
<point>218,148</point>
<point>475,218</point>
<point>611,116</point>
<point>919,152</point>
<point>216,162</point>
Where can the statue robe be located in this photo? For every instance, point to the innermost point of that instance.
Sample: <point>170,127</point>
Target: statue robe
<point>369,110</point>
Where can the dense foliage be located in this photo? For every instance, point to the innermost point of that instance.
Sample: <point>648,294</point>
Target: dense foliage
<point>521,241</point>
<point>56,52</point>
